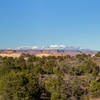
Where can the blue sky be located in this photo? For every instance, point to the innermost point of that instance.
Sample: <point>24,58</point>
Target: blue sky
<point>44,22</point>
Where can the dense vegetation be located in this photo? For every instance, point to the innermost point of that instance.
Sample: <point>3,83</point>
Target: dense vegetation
<point>50,78</point>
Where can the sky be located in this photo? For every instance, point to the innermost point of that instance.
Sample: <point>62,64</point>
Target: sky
<point>44,22</point>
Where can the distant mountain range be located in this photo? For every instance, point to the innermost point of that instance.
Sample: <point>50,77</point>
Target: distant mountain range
<point>53,50</point>
<point>52,47</point>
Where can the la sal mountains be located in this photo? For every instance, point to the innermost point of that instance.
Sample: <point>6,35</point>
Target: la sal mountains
<point>52,50</point>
